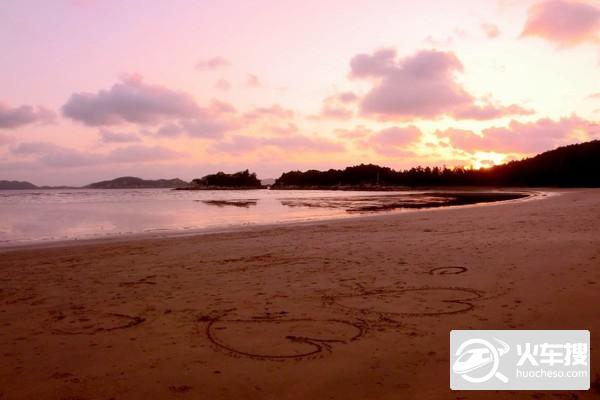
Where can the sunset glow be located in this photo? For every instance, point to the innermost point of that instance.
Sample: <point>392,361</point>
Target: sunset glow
<point>97,89</point>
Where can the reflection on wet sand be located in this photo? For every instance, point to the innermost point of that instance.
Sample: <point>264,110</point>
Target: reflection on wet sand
<point>410,201</point>
<point>234,203</point>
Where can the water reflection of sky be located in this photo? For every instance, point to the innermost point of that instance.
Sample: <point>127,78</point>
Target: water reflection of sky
<point>40,215</point>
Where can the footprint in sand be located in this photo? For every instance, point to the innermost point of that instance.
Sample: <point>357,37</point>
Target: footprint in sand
<point>417,302</point>
<point>280,339</point>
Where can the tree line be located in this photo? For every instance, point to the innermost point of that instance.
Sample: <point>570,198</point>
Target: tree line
<point>575,165</point>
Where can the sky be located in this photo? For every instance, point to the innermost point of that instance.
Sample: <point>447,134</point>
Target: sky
<point>92,90</point>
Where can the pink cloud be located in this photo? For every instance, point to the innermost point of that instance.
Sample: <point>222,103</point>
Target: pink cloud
<point>393,141</point>
<point>565,22</point>
<point>131,100</point>
<point>337,106</point>
<point>115,137</point>
<point>335,112</point>
<point>15,117</point>
<point>212,63</point>
<point>198,128</point>
<point>135,102</point>
<point>5,139</point>
<point>347,97</point>
<point>491,31</point>
<point>34,148</point>
<point>240,144</point>
<point>207,126</point>
<point>169,130</point>
<point>282,130</point>
<point>357,132</point>
<point>222,84</point>
<point>380,63</point>
<point>524,138</point>
<point>253,81</point>
<point>139,153</point>
<point>52,155</point>
<point>490,111</point>
<point>221,107</point>
<point>274,111</point>
<point>420,86</point>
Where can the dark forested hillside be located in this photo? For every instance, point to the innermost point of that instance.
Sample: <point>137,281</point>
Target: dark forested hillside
<point>575,165</point>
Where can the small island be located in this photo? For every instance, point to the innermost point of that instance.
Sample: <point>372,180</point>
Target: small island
<point>242,180</point>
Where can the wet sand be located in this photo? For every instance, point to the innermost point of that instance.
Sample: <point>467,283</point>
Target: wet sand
<point>347,309</point>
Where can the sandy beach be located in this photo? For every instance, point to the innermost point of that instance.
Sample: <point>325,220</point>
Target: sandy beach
<point>347,309</point>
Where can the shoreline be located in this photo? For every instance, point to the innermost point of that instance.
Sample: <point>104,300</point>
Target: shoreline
<point>174,234</point>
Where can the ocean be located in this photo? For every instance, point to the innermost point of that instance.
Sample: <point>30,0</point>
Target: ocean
<point>33,216</point>
<point>30,216</point>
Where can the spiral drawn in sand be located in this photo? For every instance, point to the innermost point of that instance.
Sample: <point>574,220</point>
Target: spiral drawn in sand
<point>447,270</point>
<point>280,339</point>
<point>90,323</point>
<point>414,302</point>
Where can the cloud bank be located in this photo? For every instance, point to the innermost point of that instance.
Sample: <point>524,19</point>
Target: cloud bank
<point>393,141</point>
<point>114,137</point>
<point>524,138</point>
<point>52,155</point>
<point>564,22</point>
<point>15,117</point>
<point>419,86</point>
<point>132,101</point>
<point>240,144</point>
<point>338,106</point>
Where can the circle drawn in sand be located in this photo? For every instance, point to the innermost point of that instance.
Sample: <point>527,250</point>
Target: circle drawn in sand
<point>280,339</point>
<point>447,270</point>
<point>91,323</point>
<point>416,302</point>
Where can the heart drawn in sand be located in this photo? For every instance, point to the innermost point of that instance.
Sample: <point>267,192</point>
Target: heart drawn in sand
<point>280,339</point>
<point>420,301</point>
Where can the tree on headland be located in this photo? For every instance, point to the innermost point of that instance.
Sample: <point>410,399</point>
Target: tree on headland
<point>221,179</point>
<point>575,165</point>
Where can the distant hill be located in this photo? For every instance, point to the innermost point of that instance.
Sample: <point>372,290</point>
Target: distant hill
<point>576,165</point>
<point>16,185</point>
<point>131,182</point>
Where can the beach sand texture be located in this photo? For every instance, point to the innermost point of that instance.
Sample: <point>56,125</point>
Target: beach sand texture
<point>346,309</point>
